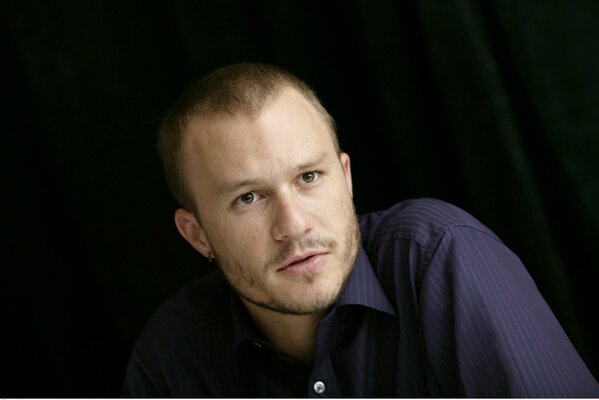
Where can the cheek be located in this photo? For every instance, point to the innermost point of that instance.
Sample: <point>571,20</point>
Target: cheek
<point>240,240</point>
<point>338,197</point>
<point>333,216</point>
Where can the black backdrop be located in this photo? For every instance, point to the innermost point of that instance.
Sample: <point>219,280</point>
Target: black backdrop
<point>491,105</point>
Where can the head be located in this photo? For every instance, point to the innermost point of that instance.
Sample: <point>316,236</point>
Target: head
<point>253,159</point>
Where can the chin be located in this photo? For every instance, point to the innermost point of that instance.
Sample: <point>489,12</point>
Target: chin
<point>318,298</point>
<point>301,301</point>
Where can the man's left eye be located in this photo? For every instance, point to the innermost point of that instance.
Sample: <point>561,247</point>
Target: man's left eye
<point>309,177</point>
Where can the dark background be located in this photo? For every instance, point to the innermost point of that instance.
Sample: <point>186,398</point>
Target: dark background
<point>491,105</point>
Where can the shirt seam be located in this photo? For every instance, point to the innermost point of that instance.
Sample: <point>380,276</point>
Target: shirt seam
<point>432,249</point>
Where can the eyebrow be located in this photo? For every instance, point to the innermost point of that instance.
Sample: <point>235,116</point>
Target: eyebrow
<point>233,186</point>
<point>314,162</point>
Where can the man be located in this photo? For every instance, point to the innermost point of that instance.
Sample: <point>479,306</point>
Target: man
<point>308,300</point>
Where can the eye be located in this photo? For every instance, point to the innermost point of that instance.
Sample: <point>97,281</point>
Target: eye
<point>246,199</point>
<point>309,177</point>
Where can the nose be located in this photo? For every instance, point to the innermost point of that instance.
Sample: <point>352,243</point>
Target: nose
<point>291,221</point>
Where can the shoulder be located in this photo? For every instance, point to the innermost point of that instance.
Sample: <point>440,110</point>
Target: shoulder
<point>199,307</point>
<point>423,221</point>
<point>405,242</point>
<point>183,337</point>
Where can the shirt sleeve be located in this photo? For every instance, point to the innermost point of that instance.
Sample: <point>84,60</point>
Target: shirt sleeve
<point>487,330</point>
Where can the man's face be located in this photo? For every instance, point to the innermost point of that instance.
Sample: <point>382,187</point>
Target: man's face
<point>275,203</point>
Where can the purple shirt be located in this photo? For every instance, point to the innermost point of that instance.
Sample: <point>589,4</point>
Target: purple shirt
<point>436,306</point>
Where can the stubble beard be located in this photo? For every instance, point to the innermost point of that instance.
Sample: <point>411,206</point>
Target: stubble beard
<point>243,281</point>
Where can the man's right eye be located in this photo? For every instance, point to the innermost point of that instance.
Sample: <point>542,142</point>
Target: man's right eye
<point>246,199</point>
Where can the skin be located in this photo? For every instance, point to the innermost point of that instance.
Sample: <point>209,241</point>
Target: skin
<point>270,187</point>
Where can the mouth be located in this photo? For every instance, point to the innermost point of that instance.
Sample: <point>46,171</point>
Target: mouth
<point>303,263</point>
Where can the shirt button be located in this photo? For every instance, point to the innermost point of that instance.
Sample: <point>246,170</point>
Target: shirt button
<point>319,387</point>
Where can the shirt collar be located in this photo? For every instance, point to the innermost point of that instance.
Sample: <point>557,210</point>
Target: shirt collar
<point>363,288</point>
<point>243,324</point>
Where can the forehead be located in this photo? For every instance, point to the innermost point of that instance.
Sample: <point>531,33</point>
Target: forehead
<point>287,132</point>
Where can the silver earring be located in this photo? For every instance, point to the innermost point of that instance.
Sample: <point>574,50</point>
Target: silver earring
<point>210,257</point>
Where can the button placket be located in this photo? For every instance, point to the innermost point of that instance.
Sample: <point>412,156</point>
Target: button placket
<point>322,370</point>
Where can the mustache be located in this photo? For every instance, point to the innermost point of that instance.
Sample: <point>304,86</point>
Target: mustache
<point>310,242</point>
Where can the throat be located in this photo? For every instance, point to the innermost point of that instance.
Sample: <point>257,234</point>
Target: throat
<point>294,335</point>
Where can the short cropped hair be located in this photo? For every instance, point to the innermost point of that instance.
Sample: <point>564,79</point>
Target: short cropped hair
<point>240,88</point>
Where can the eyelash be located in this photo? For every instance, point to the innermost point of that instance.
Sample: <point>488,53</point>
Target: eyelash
<point>238,203</point>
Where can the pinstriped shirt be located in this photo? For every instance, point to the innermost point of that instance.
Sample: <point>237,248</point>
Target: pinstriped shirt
<point>436,306</point>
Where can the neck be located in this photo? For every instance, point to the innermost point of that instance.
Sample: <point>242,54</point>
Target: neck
<point>294,335</point>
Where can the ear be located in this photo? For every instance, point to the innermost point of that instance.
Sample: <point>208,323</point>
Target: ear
<point>192,231</point>
<point>344,157</point>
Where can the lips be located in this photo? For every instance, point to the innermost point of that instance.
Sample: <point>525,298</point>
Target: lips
<point>302,263</point>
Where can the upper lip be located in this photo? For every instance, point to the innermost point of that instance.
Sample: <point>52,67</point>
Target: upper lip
<point>298,257</point>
